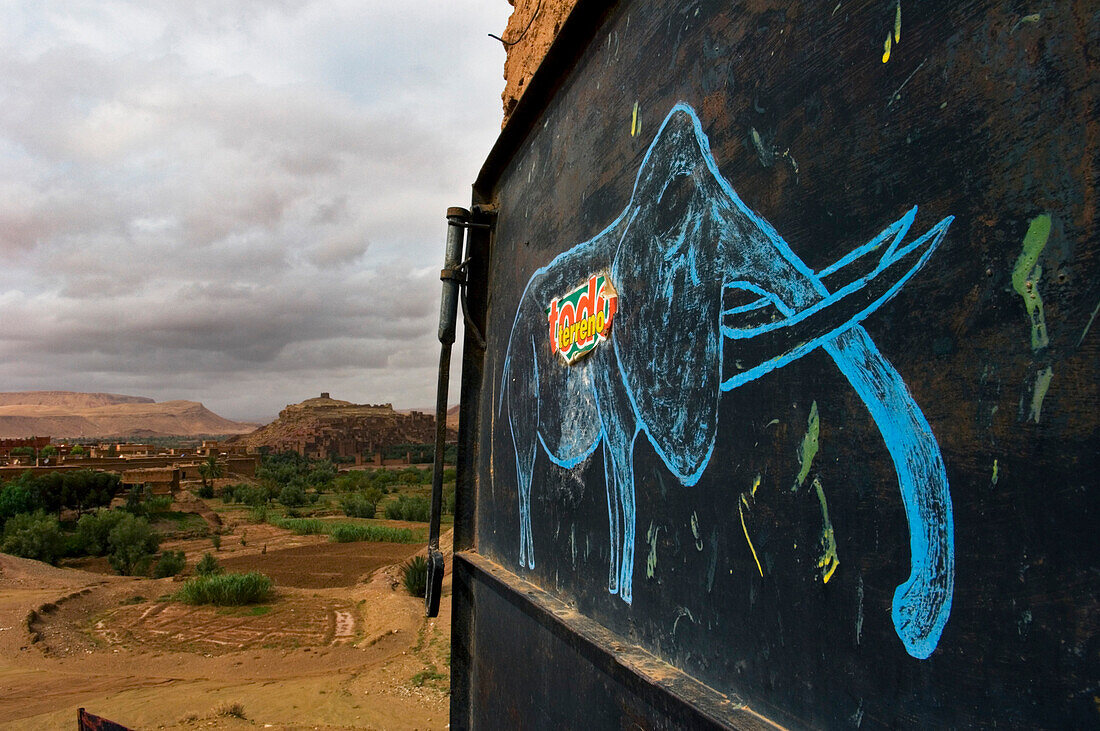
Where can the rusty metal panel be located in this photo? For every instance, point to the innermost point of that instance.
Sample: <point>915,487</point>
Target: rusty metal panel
<point>831,450</point>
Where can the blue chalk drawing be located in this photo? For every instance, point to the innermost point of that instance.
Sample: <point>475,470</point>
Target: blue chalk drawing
<point>683,244</point>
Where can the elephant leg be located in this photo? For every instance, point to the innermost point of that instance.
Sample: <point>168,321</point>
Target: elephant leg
<point>619,431</point>
<point>922,604</point>
<point>523,420</point>
<point>614,521</point>
<point>624,478</point>
<point>525,465</point>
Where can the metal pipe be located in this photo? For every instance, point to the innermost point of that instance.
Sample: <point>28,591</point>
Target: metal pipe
<point>452,277</point>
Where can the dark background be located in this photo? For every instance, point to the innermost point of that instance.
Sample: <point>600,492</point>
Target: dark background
<point>996,122</point>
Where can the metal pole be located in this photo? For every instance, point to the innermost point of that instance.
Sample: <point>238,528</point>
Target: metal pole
<point>457,219</point>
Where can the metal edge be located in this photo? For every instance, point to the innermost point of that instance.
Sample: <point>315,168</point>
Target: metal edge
<point>577,31</point>
<point>666,687</point>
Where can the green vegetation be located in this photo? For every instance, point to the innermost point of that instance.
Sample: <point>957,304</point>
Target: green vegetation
<point>353,533</point>
<point>415,575</point>
<point>226,590</point>
<point>283,469</point>
<point>208,565</point>
<point>170,563</point>
<point>93,531</point>
<point>427,675</point>
<point>345,532</point>
<point>210,470</point>
<point>409,507</point>
<point>132,544</point>
<point>361,505</point>
<point>294,496</point>
<point>77,450</point>
<point>33,535</point>
<point>79,490</point>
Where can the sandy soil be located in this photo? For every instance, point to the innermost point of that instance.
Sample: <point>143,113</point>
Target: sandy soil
<point>342,646</point>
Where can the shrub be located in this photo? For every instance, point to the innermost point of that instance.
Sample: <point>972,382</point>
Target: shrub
<point>216,541</point>
<point>415,575</point>
<point>233,710</point>
<point>159,504</point>
<point>252,495</point>
<point>229,494</point>
<point>170,563</point>
<point>36,536</point>
<point>258,514</point>
<point>408,507</point>
<point>361,505</point>
<point>17,497</point>
<point>208,565</point>
<point>134,500</point>
<point>225,590</point>
<point>449,499</point>
<point>93,530</point>
<point>292,496</point>
<point>132,545</point>
<point>207,491</point>
<point>350,533</point>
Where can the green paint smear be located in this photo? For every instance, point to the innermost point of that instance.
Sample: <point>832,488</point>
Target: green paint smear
<point>829,561</point>
<point>996,471</point>
<point>651,560</point>
<point>1042,383</point>
<point>809,447</point>
<point>1026,274</point>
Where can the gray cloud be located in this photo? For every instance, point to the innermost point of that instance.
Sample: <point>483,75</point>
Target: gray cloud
<point>233,201</point>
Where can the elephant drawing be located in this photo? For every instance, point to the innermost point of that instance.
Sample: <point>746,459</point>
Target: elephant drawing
<point>699,277</point>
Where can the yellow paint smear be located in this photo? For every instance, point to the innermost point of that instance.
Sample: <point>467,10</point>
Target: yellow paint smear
<point>897,25</point>
<point>755,485</point>
<point>749,540</point>
<point>634,128</point>
<point>886,48</point>
<point>829,561</point>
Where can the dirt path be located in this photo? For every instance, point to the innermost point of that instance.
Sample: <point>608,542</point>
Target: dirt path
<point>355,654</point>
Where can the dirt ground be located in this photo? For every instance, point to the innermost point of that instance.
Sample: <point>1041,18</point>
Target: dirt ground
<point>341,646</point>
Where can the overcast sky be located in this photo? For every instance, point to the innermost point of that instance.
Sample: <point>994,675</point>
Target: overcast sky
<point>232,201</point>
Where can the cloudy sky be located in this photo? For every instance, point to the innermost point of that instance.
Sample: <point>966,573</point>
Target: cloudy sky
<point>239,202</point>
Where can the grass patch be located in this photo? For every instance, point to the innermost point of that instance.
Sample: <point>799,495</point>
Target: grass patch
<point>415,575</point>
<point>227,590</point>
<point>346,532</point>
<point>426,675</point>
<point>351,533</point>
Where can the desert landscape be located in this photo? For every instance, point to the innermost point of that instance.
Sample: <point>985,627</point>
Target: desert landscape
<point>341,644</point>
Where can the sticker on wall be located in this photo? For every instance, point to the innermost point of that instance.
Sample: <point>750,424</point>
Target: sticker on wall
<point>581,319</point>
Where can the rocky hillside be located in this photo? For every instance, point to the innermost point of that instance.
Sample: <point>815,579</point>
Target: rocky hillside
<point>62,414</point>
<point>324,427</point>
<point>69,399</point>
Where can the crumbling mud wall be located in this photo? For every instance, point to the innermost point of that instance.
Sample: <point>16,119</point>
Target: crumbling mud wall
<point>531,29</point>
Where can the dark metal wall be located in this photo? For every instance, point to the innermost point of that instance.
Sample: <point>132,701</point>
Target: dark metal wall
<point>859,490</point>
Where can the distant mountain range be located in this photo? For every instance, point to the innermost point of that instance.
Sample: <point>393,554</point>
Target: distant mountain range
<point>67,414</point>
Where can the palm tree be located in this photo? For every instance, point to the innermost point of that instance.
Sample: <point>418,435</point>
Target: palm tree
<point>210,469</point>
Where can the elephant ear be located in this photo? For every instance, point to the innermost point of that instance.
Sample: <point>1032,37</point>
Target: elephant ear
<point>668,276</point>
